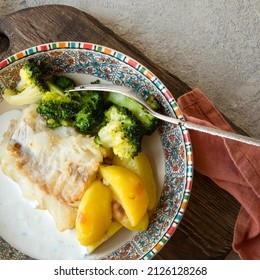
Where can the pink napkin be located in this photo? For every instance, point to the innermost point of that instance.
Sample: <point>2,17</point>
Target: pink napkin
<point>233,166</point>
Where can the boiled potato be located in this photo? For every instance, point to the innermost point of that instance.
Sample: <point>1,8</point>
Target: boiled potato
<point>142,226</point>
<point>94,213</point>
<point>113,228</point>
<point>120,216</point>
<point>129,191</point>
<point>141,165</point>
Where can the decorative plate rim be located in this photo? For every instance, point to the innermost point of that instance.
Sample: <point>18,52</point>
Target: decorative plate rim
<point>77,45</point>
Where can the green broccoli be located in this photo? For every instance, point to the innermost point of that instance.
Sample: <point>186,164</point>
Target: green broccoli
<point>31,87</point>
<point>120,131</point>
<point>90,117</point>
<point>52,123</point>
<point>148,121</point>
<point>82,96</point>
<point>56,107</point>
<point>30,73</point>
<point>64,82</point>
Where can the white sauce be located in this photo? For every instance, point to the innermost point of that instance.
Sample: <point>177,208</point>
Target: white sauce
<point>33,231</point>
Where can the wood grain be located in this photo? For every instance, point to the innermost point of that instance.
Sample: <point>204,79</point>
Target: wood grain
<point>206,229</point>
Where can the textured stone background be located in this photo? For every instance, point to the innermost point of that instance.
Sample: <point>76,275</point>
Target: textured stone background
<point>213,45</point>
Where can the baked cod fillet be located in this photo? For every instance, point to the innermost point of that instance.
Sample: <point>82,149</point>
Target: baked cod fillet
<point>52,166</point>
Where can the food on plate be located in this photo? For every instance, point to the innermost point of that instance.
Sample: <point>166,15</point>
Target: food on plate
<point>83,109</point>
<point>119,215</point>
<point>113,228</point>
<point>129,191</point>
<point>94,213</point>
<point>148,121</point>
<point>30,89</point>
<point>141,165</point>
<point>121,132</point>
<point>79,155</point>
<point>56,107</point>
<point>60,163</point>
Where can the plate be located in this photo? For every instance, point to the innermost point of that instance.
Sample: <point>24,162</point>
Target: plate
<point>169,150</point>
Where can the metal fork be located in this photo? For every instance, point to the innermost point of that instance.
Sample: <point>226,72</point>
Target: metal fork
<point>129,92</point>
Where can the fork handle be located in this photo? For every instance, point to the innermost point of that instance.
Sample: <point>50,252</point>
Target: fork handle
<point>210,130</point>
<point>222,133</point>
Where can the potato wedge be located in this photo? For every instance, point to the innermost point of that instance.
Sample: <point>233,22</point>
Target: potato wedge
<point>141,165</point>
<point>120,216</point>
<point>128,190</point>
<point>113,228</point>
<point>94,214</point>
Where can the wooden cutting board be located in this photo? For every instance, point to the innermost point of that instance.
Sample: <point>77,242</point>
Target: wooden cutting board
<point>206,231</point>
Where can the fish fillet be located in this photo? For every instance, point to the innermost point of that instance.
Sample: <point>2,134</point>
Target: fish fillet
<point>52,166</point>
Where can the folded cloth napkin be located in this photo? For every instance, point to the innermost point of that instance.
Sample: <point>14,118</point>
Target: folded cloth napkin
<point>232,165</point>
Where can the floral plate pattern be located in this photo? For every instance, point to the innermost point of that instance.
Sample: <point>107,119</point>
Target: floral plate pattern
<point>115,67</point>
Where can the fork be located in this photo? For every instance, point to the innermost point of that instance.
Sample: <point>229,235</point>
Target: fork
<point>129,92</point>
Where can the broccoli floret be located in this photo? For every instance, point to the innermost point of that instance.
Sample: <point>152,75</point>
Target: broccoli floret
<point>121,132</point>
<point>55,89</point>
<point>83,96</point>
<point>56,107</point>
<point>88,120</point>
<point>31,94</point>
<point>51,123</point>
<point>148,121</point>
<point>63,82</point>
<point>92,98</point>
<point>30,89</point>
<point>90,117</point>
<point>30,74</point>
